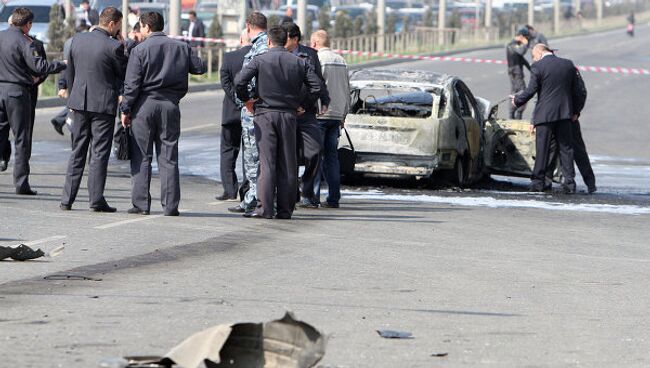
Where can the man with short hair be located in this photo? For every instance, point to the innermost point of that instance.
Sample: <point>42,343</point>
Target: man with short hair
<point>335,73</point>
<point>555,82</point>
<point>95,75</point>
<point>535,37</point>
<point>88,15</point>
<point>195,29</point>
<point>309,132</point>
<point>156,80</point>
<point>231,119</point>
<point>20,66</point>
<point>256,29</point>
<point>280,78</point>
<point>515,55</point>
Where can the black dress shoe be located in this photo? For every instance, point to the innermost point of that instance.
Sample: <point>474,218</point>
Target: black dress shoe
<point>137,211</point>
<point>236,209</point>
<point>28,191</point>
<point>103,208</point>
<point>65,207</point>
<point>329,205</point>
<point>591,189</point>
<point>172,213</point>
<point>254,214</point>
<point>225,197</point>
<point>57,127</point>
<point>3,165</point>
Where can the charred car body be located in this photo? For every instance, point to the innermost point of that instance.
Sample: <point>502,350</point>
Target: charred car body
<point>422,124</point>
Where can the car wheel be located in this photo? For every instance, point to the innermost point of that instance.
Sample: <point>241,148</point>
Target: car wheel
<point>459,174</point>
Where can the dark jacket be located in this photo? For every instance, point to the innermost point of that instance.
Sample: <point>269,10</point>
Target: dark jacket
<point>311,57</point>
<point>20,60</point>
<point>93,17</point>
<point>232,64</point>
<point>280,77</point>
<point>40,50</point>
<point>95,72</point>
<point>197,31</point>
<point>158,69</point>
<point>555,81</point>
<point>515,55</point>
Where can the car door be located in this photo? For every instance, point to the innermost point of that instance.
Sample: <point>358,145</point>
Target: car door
<point>468,111</point>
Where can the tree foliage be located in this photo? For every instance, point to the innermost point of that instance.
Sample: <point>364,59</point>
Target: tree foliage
<point>391,24</point>
<point>342,25</point>
<point>324,18</point>
<point>215,30</point>
<point>371,23</point>
<point>58,30</point>
<point>357,26</point>
<point>427,18</point>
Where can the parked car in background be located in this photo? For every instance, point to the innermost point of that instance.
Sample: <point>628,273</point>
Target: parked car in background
<point>41,10</point>
<point>100,5</point>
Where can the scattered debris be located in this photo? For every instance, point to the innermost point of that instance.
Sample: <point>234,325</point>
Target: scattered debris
<point>439,355</point>
<point>390,334</point>
<point>283,343</point>
<point>64,277</point>
<point>25,253</point>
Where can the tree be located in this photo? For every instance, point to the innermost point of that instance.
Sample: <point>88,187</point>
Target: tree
<point>406,23</point>
<point>55,30</point>
<point>342,25</point>
<point>215,30</point>
<point>427,19</point>
<point>309,27</point>
<point>371,23</point>
<point>391,24</point>
<point>357,26</point>
<point>324,18</point>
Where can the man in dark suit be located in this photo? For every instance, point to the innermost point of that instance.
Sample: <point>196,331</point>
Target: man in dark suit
<point>88,15</point>
<point>196,29</point>
<point>20,62</point>
<point>156,80</point>
<point>231,119</point>
<point>280,77</point>
<point>309,132</point>
<point>555,82</point>
<point>95,75</point>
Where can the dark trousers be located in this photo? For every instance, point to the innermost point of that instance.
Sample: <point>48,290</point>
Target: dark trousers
<point>517,84</point>
<point>561,130</point>
<point>580,156</point>
<point>61,117</point>
<point>94,131</point>
<point>156,124</point>
<point>275,133</point>
<point>310,138</point>
<point>330,168</point>
<point>16,114</point>
<point>230,145</point>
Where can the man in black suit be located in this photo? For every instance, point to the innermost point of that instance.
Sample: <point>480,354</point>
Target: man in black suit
<point>555,81</point>
<point>231,119</point>
<point>20,62</point>
<point>88,15</point>
<point>156,80</point>
<point>309,132</point>
<point>94,75</point>
<point>196,29</point>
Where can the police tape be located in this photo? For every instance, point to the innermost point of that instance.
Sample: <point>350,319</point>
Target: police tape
<point>595,69</point>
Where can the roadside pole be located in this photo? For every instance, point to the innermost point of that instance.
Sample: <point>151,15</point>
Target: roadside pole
<point>174,17</point>
<point>68,9</point>
<point>302,15</point>
<point>599,11</point>
<point>125,18</point>
<point>531,12</point>
<point>442,22</point>
<point>577,5</point>
<point>488,13</point>
<point>381,25</point>
<point>556,16</point>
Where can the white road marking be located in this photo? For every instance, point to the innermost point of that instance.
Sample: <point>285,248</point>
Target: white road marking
<point>126,222</point>
<point>45,240</point>
<point>198,127</point>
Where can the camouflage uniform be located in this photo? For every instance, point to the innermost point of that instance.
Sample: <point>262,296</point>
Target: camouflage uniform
<point>251,155</point>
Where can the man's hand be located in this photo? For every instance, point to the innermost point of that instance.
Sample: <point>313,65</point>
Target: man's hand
<point>574,118</point>
<point>126,120</point>
<point>250,105</point>
<point>512,100</point>
<point>531,129</point>
<point>63,93</point>
<point>323,109</point>
<point>300,111</point>
<point>119,99</point>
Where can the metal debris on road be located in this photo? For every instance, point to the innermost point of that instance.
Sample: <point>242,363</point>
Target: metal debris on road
<point>70,277</point>
<point>439,355</point>
<point>20,253</point>
<point>390,334</point>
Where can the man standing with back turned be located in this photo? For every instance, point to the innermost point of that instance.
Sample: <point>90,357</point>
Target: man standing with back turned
<point>555,81</point>
<point>156,80</point>
<point>95,74</point>
<point>19,63</point>
<point>280,77</point>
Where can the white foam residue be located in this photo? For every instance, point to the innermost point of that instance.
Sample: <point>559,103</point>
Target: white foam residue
<point>504,203</point>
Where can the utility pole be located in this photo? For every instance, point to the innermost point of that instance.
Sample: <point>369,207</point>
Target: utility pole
<point>577,6</point>
<point>531,12</point>
<point>599,10</point>
<point>125,17</point>
<point>442,21</point>
<point>302,15</point>
<point>381,25</point>
<point>488,13</point>
<point>174,17</point>
<point>556,16</point>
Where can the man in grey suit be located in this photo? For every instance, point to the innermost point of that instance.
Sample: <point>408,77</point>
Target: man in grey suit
<point>156,80</point>
<point>94,75</point>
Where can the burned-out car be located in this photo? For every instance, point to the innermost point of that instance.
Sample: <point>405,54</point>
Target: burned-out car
<point>429,125</point>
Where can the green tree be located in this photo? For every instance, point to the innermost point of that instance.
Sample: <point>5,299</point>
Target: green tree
<point>324,18</point>
<point>309,27</point>
<point>342,25</point>
<point>391,24</point>
<point>454,20</point>
<point>215,30</point>
<point>357,26</point>
<point>427,18</point>
<point>406,23</point>
<point>371,23</point>
<point>55,30</point>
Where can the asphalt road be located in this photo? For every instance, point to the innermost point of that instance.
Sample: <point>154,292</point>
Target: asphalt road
<point>491,278</point>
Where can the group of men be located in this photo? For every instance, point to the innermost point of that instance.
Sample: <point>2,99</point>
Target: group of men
<point>561,96</point>
<point>285,102</point>
<point>103,73</point>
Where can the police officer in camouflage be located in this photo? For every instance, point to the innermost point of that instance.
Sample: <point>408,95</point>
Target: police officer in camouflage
<point>256,28</point>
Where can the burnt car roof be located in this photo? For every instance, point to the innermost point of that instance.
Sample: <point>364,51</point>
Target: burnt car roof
<point>397,75</point>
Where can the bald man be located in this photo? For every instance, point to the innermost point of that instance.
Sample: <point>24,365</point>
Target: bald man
<point>556,83</point>
<point>231,119</point>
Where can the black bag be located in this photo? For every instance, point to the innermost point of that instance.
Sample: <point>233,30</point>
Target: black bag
<point>124,145</point>
<point>347,156</point>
